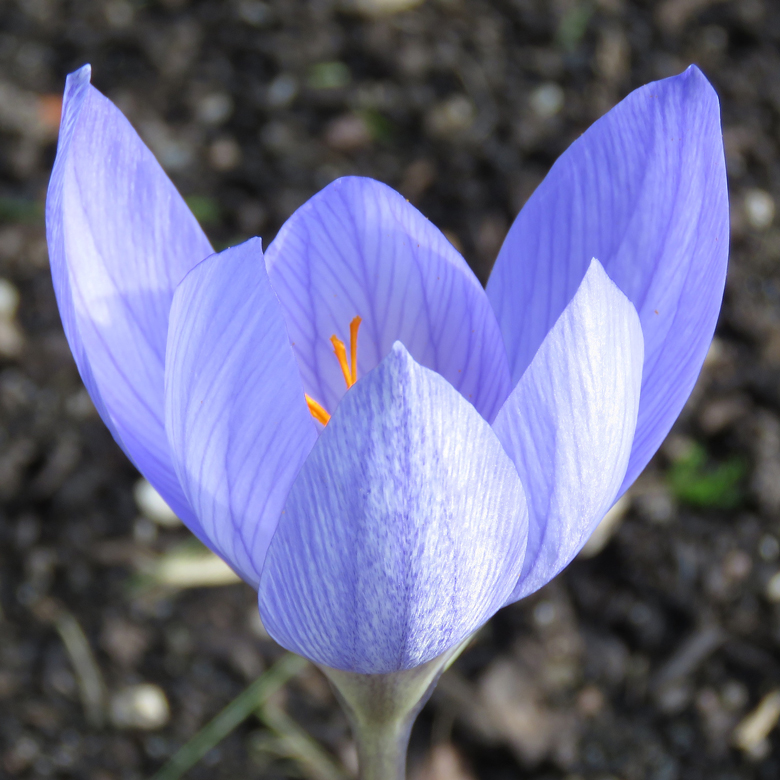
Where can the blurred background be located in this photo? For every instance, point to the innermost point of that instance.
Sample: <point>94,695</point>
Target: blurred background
<point>653,657</point>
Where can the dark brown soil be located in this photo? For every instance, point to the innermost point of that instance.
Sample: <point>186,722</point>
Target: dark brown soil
<point>638,663</point>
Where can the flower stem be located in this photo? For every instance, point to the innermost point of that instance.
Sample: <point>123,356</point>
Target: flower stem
<point>382,709</point>
<point>382,748</point>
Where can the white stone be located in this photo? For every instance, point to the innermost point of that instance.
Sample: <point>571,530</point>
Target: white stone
<point>547,100</point>
<point>152,505</point>
<point>184,568</point>
<point>450,117</point>
<point>142,706</point>
<point>759,209</point>
<point>606,528</point>
<point>9,300</point>
<point>215,108</point>
<point>282,91</point>
<point>773,588</point>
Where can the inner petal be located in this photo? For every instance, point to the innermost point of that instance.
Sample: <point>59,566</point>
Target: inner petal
<point>359,249</point>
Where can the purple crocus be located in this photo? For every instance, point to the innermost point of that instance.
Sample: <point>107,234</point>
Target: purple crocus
<point>388,452</point>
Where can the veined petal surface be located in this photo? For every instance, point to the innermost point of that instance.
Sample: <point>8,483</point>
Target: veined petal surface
<point>569,423</point>
<point>235,411</point>
<point>120,240</point>
<point>644,191</point>
<point>403,532</point>
<point>359,249</point>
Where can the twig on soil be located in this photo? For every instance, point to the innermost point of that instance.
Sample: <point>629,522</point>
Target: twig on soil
<point>92,689</point>
<point>751,734</point>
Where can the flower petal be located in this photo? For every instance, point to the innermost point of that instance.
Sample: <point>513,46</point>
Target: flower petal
<point>403,533</point>
<point>644,191</point>
<point>569,423</point>
<point>235,410</point>
<point>359,249</point>
<point>120,239</point>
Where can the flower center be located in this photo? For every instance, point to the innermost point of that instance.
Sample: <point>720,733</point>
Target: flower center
<point>349,369</point>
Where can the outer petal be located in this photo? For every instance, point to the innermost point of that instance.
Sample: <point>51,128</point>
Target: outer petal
<point>358,248</point>
<point>644,190</point>
<point>235,411</point>
<point>403,532</point>
<point>120,239</point>
<point>569,424</point>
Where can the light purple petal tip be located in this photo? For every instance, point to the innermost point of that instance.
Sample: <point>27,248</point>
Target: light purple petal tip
<point>403,532</point>
<point>120,239</point>
<point>359,249</point>
<point>569,423</point>
<point>235,410</point>
<point>644,191</point>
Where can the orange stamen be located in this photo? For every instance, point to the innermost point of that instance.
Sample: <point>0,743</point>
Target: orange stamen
<point>353,333</point>
<point>341,355</point>
<point>316,410</point>
<point>349,369</point>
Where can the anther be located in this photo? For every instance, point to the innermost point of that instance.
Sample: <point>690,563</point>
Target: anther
<point>348,369</point>
<point>341,356</point>
<point>353,333</point>
<point>316,410</point>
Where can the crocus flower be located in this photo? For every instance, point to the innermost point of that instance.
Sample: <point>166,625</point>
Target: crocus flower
<point>387,451</point>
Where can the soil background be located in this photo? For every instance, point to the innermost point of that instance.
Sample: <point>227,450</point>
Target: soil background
<point>655,658</point>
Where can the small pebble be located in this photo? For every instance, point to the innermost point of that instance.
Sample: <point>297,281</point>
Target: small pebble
<point>9,300</point>
<point>119,14</point>
<point>734,695</point>
<point>450,117</point>
<point>80,406</point>
<point>347,133</point>
<point>547,100</point>
<point>674,698</point>
<point>224,154</point>
<point>152,505</point>
<point>279,137</point>
<point>142,706</point>
<point>22,755</point>
<point>544,613</point>
<point>751,733</point>
<point>590,701</point>
<point>444,762</point>
<point>11,339</point>
<point>255,12</point>
<point>768,548</point>
<point>282,91</point>
<point>124,641</point>
<point>373,8</point>
<point>759,209</point>
<point>656,504</point>
<point>329,75</point>
<point>144,531</point>
<point>214,109</point>
<point>737,566</point>
<point>773,588</point>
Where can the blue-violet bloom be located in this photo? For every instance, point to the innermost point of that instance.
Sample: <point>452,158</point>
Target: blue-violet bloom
<point>387,451</point>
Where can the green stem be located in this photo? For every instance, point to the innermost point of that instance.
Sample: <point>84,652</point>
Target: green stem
<point>235,713</point>
<point>382,748</point>
<point>382,709</point>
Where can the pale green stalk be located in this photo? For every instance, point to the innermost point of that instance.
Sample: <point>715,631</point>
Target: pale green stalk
<point>382,709</point>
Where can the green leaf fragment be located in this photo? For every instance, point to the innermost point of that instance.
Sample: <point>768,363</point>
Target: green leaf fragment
<point>696,481</point>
